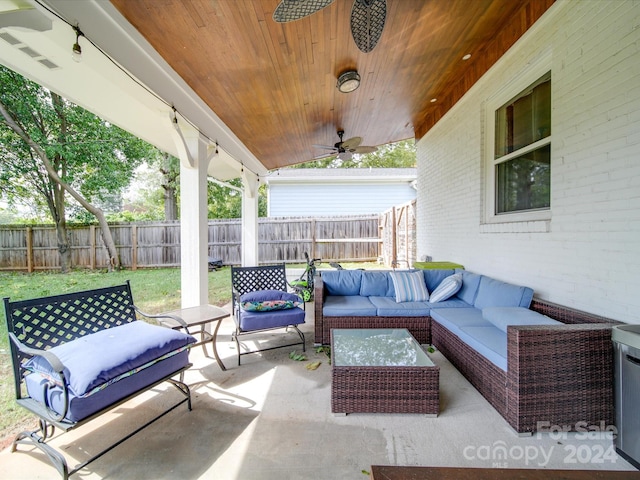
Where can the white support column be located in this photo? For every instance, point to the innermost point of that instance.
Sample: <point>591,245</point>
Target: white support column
<point>249,219</point>
<point>196,152</point>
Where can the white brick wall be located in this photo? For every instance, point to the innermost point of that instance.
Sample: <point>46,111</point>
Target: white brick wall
<point>588,255</point>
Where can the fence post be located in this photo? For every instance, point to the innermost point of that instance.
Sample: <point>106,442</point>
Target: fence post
<point>394,239</point>
<point>313,238</point>
<point>134,247</point>
<point>29,239</point>
<point>92,247</point>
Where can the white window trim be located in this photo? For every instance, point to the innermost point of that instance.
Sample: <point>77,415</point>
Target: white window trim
<point>528,220</point>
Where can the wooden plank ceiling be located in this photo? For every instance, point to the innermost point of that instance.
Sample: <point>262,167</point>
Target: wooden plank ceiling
<point>274,84</point>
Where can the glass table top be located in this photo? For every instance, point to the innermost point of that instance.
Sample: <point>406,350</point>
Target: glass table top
<point>371,347</point>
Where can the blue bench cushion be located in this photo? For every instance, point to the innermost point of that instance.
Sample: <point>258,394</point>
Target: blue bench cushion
<point>348,306</point>
<point>81,407</point>
<point>250,321</point>
<point>95,360</point>
<point>342,282</point>
<point>388,307</point>
<point>502,317</point>
<point>494,293</point>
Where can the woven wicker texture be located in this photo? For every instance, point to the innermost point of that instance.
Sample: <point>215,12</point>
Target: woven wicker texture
<point>385,390</point>
<point>560,375</point>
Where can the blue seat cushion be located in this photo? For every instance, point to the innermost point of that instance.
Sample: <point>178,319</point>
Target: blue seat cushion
<point>494,293</point>
<point>81,407</point>
<point>348,306</point>
<point>250,321</point>
<point>455,318</point>
<point>92,361</point>
<point>388,307</point>
<point>490,342</point>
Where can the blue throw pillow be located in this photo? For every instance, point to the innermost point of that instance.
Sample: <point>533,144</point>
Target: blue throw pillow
<point>447,288</point>
<point>502,317</point>
<point>268,300</point>
<point>409,286</point>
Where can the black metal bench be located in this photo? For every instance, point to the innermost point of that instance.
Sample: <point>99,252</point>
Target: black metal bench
<point>37,326</point>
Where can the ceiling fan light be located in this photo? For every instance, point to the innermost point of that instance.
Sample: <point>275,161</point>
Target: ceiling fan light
<point>348,81</point>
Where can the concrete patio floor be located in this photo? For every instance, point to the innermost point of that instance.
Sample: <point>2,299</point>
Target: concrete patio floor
<point>271,419</point>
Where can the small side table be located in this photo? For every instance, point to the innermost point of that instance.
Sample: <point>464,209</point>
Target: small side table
<point>194,316</point>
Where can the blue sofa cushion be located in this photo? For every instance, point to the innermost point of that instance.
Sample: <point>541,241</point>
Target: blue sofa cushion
<point>453,302</point>
<point>502,317</point>
<point>494,293</point>
<point>250,321</point>
<point>490,342</point>
<point>376,284</point>
<point>388,307</point>
<point>342,282</point>
<point>348,306</point>
<point>447,288</point>
<point>433,278</point>
<point>469,289</point>
<point>409,286</point>
<point>455,318</point>
<point>94,360</point>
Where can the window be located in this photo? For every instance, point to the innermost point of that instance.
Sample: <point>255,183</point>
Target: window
<point>519,152</point>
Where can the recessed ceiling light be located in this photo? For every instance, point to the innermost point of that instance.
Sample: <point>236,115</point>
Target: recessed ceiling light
<point>467,56</point>
<point>434,100</point>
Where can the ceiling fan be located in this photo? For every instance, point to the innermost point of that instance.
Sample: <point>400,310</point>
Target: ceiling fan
<point>367,17</point>
<point>345,149</point>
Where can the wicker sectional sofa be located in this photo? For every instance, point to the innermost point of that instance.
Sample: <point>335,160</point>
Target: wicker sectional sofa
<point>558,372</point>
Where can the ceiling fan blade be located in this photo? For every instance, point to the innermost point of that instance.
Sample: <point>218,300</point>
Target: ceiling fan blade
<point>324,155</point>
<point>326,147</point>
<point>350,143</point>
<point>367,22</point>
<point>364,149</point>
<point>290,10</point>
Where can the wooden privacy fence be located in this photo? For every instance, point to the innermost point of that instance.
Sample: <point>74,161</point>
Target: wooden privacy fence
<point>157,244</point>
<point>398,235</point>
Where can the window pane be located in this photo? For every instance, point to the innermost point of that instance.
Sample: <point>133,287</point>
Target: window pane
<point>525,119</point>
<point>524,182</point>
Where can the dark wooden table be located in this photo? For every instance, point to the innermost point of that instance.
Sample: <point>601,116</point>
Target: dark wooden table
<point>388,472</point>
<point>199,316</point>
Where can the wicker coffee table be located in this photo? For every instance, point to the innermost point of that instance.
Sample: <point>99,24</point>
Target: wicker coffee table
<point>381,371</point>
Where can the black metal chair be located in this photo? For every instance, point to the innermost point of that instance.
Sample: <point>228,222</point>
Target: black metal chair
<point>268,283</point>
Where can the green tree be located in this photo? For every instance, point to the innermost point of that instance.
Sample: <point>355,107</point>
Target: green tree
<point>51,149</point>
<point>225,202</point>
